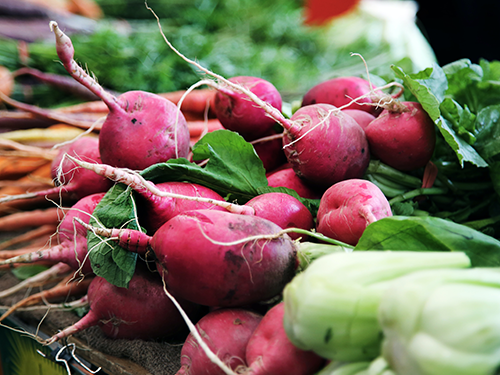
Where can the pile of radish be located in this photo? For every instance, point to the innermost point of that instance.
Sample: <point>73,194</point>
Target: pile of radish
<point>197,246</point>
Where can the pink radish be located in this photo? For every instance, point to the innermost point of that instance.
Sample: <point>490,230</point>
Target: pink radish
<point>270,151</point>
<point>72,183</point>
<point>348,207</point>
<point>72,238</point>
<point>403,137</point>
<point>363,118</point>
<point>283,210</point>
<point>141,311</point>
<point>288,178</point>
<point>270,352</point>
<point>324,146</point>
<point>141,129</point>
<point>237,113</point>
<point>341,91</point>
<point>226,332</point>
<point>217,258</point>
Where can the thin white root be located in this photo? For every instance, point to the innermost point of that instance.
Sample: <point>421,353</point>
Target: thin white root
<point>192,328</point>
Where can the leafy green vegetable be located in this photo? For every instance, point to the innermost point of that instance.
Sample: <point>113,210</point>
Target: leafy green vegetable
<point>430,234</point>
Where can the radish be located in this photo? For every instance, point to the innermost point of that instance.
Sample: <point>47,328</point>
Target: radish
<point>141,128</point>
<point>341,91</point>
<point>348,207</point>
<point>141,311</point>
<point>288,178</point>
<point>270,151</point>
<point>226,332</point>
<point>283,210</point>
<point>403,137</point>
<point>323,145</point>
<point>237,113</point>
<point>270,352</point>
<point>363,118</point>
<point>72,183</point>
<point>217,258</point>
<point>72,238</point>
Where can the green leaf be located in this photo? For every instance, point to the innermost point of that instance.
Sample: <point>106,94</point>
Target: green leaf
<point>461,119</point>
<point>23,273</point>
<point>233,170</point>
<point>488,132</point>
<point>430,234</point>
<point>109,260</point>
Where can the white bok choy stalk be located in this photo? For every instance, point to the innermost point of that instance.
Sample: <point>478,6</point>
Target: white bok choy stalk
<point>378,366</point>
<point>443,322</point>
<point>331,307</point>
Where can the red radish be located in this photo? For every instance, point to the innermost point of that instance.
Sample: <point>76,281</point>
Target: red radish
<point>141,128</point>
<point>141,311</point>
<point>217,258</point>
<point>237,113</point>
<point>363,118</point>
<point>156,210</point>
<point>341,91</point>
<point>289,179</point>
<point>324,146</point>
<point>270,151</point>
<point>270,352</point>
<point>283,210</point>
<point>404,137</point>
<point>348,207</point>
<point>226,332</point>
<point>72,183</point>
<point>72,237</point>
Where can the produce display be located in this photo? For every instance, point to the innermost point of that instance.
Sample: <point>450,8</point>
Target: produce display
<point>354,229</point>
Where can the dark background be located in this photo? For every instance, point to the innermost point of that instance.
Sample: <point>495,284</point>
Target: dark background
<point>461,28</point>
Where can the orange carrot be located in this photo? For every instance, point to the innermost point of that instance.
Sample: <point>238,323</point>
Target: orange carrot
<point>39,217</point>
<point>32,235</point>
<point>197,128</point>
<point>16,167</point>
<point>196,101</point>
<point>61,290</point>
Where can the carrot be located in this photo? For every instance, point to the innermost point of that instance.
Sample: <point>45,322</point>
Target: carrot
<point>61,290</point>
<point>95,106</point>
<point>26,150</point>
<point>39,217</point>
<point>86,8</point>
<point>16,167</point>
<point>196,101</point>
<point>197,128</point>
<point>32,235</point>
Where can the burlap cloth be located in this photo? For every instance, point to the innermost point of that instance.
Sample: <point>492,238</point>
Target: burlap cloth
<point>157,358</point>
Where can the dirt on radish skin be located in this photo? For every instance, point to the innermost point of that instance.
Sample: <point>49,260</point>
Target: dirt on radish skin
<point>237,113</point>
<point>348,207</point>
<point>335,150</point>
<point>403,139</point>
<point>141,311</point>
<point>270,352</point>
<point>283,210</point>
<point>226,332</point>
<point>141,128</point>
<point>341,91</point>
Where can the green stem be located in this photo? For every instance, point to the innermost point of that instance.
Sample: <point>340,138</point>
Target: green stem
<point>321,237</point>
<point>415,193</point>
<point>377,167</point>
